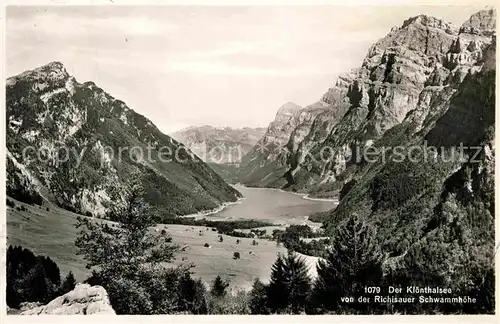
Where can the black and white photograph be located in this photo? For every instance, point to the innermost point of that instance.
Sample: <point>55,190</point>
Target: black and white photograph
<point>334,159</point>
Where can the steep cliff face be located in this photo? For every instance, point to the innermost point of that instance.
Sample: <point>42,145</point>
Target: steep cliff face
<point>75,145</point>
<point>434,207</point>
<point>424,102</point>
<point>219,145</point>
<point>257,166</point>
<point>406,81</point>
<point>266,164</point>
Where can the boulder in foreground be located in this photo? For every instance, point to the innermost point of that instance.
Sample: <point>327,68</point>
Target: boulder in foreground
<point>83,300</point>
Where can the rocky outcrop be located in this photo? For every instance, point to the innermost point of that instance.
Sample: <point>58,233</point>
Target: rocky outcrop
<point>219,145</point>
<point>481,23</point>
<point>83,300</point>
<point>75,145</point>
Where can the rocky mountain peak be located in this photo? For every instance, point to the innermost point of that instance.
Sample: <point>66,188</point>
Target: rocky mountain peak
<point>53,72</point>
<point>481,23</point>
<point>219,145</point>
<point>429,21</point>
<point>423,35</point>
<point>288,108</point>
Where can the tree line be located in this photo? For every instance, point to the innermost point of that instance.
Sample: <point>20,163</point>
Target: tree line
<point>32,278</point>
<point>133,264</point>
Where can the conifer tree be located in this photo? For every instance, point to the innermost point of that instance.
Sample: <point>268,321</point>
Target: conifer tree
<point>299,282</point>
<point>290,284</point>
<point>219,287</point>
<point>352,263</point>
<point>68,284</point>
<point>192,295</point>
<point>258,298</point>
<point>277,290</point>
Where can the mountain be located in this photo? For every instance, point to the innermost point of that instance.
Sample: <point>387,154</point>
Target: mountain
<point>410,70</point>
<point>219,145</point>
<point>437,213</point>
<point>76,146</point>
<point>265,164</point>
<point>408,144</point>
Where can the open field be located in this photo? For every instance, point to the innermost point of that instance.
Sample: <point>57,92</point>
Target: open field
<point>52,233</point>
<point>256,260</point>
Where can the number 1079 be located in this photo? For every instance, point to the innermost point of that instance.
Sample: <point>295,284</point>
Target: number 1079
<point>372,290</point>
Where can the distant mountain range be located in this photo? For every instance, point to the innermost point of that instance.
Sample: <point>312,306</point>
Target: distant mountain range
<point>219,145</point>
<point>64,140</point>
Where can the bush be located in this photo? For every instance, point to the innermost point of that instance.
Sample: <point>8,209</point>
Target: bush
<point>11,203</point>
<point>230,304</point>
<point>88,214</point>
<point>21,208</point>
<point>128,296</point>
<point>236,255</point>
<point>193,295</point>
<point>206,245</point>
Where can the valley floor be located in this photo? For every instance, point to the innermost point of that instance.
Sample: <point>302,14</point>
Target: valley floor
<point>52,233</point>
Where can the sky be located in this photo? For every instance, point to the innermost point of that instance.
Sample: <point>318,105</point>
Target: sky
<point>223,66</point>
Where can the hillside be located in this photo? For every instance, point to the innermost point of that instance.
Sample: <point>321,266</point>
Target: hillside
<point>74,145</point>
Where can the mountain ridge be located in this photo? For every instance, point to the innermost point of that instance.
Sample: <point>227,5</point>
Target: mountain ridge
<point>220,145</point>
<point>49,111</point>
<point>421,55</point>
<point>425,84</point>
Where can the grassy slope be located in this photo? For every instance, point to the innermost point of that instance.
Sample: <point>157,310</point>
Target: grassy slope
<point>52,233</point>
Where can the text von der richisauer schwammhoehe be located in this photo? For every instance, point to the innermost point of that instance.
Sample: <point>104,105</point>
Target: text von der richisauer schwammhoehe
<point>408,295</point>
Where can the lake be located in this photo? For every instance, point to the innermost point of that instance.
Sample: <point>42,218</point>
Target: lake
<point>273,205</point>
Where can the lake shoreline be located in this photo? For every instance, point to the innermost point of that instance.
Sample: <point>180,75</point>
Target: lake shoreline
<point>228,211</point>
<point>216,210</point>
<point>302,195</point>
